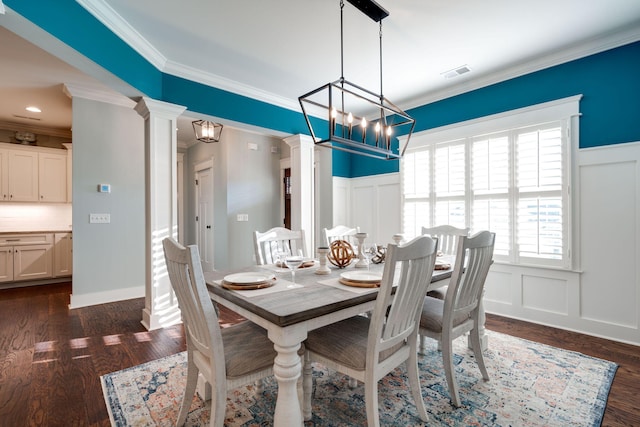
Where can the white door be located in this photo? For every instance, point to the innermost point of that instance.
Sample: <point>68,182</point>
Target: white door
<point>204,214</point>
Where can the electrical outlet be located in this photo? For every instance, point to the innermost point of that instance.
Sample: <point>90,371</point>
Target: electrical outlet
<point>101,218</point>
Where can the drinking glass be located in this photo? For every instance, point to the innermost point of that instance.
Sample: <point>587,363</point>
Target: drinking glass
<point>369,253</point>
<point>293,262</point>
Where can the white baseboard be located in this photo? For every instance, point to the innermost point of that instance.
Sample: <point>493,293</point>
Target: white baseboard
<point>94,298</point>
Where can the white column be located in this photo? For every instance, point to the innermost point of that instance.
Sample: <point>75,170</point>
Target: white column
<point>302,193</point>
<point>161,212</point>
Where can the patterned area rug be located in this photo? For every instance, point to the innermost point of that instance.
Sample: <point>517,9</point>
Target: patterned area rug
<point>531,385</point>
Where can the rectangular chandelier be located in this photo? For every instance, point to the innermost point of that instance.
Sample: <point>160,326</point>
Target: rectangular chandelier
<point>344,116</point>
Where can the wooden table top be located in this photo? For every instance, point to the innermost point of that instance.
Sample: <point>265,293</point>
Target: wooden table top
<point>296,305</point>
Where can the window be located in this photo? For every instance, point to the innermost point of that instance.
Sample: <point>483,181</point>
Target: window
<point>509,174</point>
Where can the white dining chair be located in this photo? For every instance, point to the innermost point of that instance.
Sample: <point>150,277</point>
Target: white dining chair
<point>340,232</point>
<point>269,244</point>
<point>227,358</point>
<point>368,348</point>
<point>459,313</point>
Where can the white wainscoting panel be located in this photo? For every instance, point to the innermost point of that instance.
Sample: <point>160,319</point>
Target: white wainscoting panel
<point>609,208</point>
<point>375,206</point>
<point>341,204</point>
<point>498,287</point>
<point>545,294</point>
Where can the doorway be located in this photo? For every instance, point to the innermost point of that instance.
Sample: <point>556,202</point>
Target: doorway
<point>286,185</point>
<point>204,213</point>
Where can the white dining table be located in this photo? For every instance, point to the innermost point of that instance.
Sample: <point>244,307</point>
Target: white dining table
<point>289,312</point>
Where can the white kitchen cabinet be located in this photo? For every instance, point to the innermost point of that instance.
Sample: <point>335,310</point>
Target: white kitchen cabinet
<point>34,174</point>
<point>6,264</point>
<point>23,176</point>
<point>62,254</point>
<point>4,174</point>
<point>26,257</point>
<point>32,262</point>
<point>52,177</point>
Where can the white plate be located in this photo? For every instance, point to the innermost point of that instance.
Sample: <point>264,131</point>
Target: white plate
<point>249,278</point>
<point>361,276</point>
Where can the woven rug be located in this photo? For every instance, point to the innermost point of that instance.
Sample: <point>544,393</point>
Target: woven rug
<point>531,385</point>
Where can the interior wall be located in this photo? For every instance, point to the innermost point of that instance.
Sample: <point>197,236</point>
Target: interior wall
<point>108,148</point>
<point>246,182</point>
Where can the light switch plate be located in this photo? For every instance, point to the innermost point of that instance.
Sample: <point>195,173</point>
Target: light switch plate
<point>101,218</point>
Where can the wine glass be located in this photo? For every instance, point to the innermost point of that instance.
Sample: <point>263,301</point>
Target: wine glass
<point>293,262</point>
<point>369,252</point>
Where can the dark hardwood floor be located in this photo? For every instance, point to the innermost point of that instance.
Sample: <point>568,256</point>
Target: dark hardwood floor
<point>51,357</point>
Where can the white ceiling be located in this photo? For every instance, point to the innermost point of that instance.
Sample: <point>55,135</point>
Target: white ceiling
<point>279,49</point>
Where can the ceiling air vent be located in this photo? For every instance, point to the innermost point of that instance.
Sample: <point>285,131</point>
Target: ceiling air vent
<point>463,69</point>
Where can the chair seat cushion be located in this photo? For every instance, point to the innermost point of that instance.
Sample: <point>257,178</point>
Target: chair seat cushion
<point>431,317</point>
<point>247,349</point>
<point>345,342</point>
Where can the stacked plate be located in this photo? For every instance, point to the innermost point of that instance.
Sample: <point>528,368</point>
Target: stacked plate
<point>247,281</point>
<point>360,279</point>
<point>441,265</point>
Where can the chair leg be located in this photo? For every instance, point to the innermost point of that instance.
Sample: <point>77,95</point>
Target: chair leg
<point>307,387</point>
<point>447,360</point>
<point>476,344</point>
<point>414,382</point>
<point>218,406</point>
<point>371,401</point>
<point>189,391</point>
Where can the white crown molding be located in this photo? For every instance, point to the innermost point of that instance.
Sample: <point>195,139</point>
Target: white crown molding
<point>78,91</point>
<point>628,35</point>
<point>117,25</point>
<point>209,79</point>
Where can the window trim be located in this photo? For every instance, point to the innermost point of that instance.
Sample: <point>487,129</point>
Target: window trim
<point>565,110</point>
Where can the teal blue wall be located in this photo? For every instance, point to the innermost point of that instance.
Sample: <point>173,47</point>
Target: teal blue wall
<point>608,81</point>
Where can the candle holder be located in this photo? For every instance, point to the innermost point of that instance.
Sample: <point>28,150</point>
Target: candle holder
<point>323,251</point>
<point>362,262</point>
<point>397,238</point>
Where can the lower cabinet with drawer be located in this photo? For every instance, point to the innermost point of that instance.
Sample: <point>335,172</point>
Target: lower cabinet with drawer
<point>26,257</point>
<point>62,254</point>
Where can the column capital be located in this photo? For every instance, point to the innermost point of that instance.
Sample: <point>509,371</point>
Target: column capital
<point>147,106</point>
<point>299,140</point>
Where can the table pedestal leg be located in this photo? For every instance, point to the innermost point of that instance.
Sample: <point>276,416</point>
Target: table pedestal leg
<point>287,369</point>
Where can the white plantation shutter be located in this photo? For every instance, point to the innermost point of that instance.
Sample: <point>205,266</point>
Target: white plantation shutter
<point>539,177</point>
<point>513,182</point>
<point>416,186</point>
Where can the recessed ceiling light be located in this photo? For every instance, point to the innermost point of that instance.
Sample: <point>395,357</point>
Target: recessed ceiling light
<point>33,109</point>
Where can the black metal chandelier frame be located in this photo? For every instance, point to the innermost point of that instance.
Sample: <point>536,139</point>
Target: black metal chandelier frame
<point>348,131</point>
